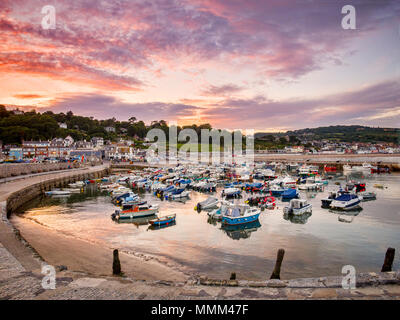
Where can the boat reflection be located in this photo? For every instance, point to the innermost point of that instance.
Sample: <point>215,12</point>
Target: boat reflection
<point>346,216</point>
<point>298,219</point>
<point>154,227</point>
<point>353,212</point>
<point>241,231</point>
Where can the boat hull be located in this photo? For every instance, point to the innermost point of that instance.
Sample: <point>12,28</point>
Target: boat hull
<point>133,215</point>
<point>240,220</point>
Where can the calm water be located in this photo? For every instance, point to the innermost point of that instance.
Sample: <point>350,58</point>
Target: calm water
<point>315,246</point>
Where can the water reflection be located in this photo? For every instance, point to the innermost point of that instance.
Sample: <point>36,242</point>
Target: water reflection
<point>197,242</point>
<point>298,219</point>
<point>241,231</point>
<point>163,226</point>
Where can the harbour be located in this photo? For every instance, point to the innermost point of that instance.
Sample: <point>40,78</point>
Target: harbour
<point>316,244</point>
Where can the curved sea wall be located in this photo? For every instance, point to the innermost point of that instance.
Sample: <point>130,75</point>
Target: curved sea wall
<point>24,195</point>
<point>18,169</point>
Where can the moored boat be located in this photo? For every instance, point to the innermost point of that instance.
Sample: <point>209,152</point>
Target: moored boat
<point>297,207</point>
<point>163,221</point>
<point>346,201</point>
<point>136,211</point>
<point>209,203</point>
<point>240,214</point>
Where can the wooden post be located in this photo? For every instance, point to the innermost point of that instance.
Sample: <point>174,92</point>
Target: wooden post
<point>389,258</point>
<point>276,274</point>
<point>233,276</point>
<point>116,263</point>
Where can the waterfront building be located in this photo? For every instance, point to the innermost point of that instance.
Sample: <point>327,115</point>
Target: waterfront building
<point>35,149</point>
<point>98,142</point>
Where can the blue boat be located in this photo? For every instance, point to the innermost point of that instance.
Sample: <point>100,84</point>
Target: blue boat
<point>240,214</point>
<point>277,191</point>
<point>163,221</point>
<point>290,194</point>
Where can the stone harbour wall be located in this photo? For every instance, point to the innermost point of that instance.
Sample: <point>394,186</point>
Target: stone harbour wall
<point>24,195</point>
<point>18,169</point>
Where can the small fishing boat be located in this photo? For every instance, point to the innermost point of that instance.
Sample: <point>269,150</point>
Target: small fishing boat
<point>346,201</point>
<point>240,214</point>
<point>177,194</point>
<point>309,185</point>
<point>367,196</point>
<point>326,202</point>
<point>277,190</point>
<point>218,213</point>
<point>231,192</point>
<point>137,211</point>
<point>78,184</point>
<point>330,168</point>
<point>163,221</point>
<point>298,207</point>
<point>209,203</point>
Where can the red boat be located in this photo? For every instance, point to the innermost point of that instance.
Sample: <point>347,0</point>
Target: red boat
<point>380,170</point>
<point>329,168</point>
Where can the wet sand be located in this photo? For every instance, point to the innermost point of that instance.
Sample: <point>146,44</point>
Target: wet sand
<point>82,256</point>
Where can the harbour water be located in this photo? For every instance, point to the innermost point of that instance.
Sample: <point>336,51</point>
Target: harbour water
<point>317,245</point>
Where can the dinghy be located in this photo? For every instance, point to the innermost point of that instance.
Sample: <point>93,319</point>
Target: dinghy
<point>163,221</point>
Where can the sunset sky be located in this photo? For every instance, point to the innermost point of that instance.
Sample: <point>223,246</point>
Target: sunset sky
<point>253,64</point>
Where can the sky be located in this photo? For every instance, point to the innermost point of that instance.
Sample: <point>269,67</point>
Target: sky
<point>271,65</point>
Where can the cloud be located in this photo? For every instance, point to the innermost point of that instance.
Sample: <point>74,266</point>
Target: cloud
<point>105,107</point>
<point>27,96</point>
<point>108,42</point>
<point>221,90</point>
<point>370,105</point>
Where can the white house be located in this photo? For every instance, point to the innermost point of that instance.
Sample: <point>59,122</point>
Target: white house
<point>109,129</point>
<point>62,125</point>
<point>98,142</point>
<point>68,141</point>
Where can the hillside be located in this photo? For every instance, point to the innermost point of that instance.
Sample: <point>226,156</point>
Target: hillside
<point>340,134</point>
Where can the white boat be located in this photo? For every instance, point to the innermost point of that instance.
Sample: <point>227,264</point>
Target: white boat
<point>288,182</point>
<point>231,192</point>
<point>58,193</point>
<point>309,185</point>
<point>297,207</point>
<point>209,203</point>
<point>218,213</point>
<point>141,210</point>
<point>183,194</point>
<point>78,184</point>
<point>346,201</point>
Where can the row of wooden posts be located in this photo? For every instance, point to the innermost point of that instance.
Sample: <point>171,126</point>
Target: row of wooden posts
<point>276,274</point>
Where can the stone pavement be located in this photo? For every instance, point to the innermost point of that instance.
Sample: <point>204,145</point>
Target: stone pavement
<point>21,278</point>
<point>16,283</point>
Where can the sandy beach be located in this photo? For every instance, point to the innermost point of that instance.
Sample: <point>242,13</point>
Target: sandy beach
<point>81,256</point>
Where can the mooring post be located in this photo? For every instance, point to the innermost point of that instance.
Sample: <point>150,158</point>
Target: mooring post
<point>116,263</point>
<point>233,276</point>
<point>389,258</point>
<point>276,274</point>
